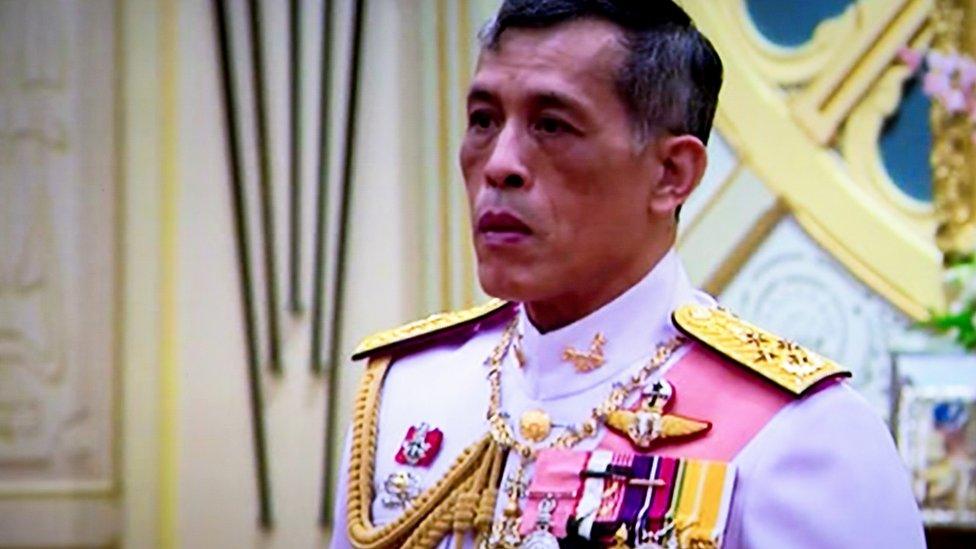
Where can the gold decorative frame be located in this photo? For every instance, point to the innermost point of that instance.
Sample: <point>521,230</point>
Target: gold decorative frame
<point>806,121</point>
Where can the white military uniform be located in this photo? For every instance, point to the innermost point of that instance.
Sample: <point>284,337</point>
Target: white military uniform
<point>822,473</point>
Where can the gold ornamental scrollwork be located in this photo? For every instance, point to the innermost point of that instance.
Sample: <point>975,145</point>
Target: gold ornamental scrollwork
<point>811,137</point>
<point>953,153</point>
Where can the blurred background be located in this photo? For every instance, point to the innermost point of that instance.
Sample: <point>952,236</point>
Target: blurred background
<point>205,205</point>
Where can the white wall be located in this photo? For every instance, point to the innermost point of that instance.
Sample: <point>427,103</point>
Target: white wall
<point>217,500</point>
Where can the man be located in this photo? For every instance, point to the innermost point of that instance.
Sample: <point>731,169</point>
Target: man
<point>606,402</point>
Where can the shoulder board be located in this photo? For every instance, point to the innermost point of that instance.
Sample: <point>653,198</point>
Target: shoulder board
<point>781,361</point>
<point>435,324</point>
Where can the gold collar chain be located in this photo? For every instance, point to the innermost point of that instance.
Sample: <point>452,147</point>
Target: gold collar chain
<point>505,532</point>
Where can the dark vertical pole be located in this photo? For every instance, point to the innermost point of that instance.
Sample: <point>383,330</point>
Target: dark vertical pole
<point>264,183</point>
<point>322,196</point>
<point>348,156</point>
<point>265,518</point>
<point>295,160</point>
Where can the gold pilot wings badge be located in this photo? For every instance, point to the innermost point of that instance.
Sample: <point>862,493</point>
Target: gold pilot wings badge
<point>428,327</point>
<point>779,360</point>
<point>648,422</point>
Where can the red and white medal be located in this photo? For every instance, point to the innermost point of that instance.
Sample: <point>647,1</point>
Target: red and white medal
<point>420,446</point>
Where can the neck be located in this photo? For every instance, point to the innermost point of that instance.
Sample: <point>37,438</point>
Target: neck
<point>551,314</point>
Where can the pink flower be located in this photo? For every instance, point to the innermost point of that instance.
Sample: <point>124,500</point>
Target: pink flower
<point>936,84</point>
<point>954,101</point>
<point>942,63</point>
<point>967,73</point>
<point>950,80</point>
<point>910,57</point>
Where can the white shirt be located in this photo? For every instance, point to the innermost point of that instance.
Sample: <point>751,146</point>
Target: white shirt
<point>823,473</point>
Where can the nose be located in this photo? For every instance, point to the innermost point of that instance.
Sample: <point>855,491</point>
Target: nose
<point>506,167</point>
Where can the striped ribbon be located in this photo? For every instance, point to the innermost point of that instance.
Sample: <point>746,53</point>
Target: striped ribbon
<point>689,503</point>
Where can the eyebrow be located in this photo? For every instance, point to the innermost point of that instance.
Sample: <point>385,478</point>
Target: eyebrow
<point>556,100</point>
<point>542,99</point>
<point>478,93</point>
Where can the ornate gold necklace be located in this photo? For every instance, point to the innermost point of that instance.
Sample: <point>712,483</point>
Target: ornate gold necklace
<point>505,532</point>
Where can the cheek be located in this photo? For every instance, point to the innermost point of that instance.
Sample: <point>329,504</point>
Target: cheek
<point>571,219</point>
<point>597,217</point>
<point>470,161</point>
<point>471,156</point>
<point>583,169</point>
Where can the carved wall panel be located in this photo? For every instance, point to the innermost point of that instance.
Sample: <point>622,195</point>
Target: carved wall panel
<point>58,269</point>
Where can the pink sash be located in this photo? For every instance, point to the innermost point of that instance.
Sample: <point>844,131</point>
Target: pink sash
<point>738,403</point>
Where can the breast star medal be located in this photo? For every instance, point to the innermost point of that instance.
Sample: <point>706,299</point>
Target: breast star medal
<point>420,446</point>
<point>401,488</point>
<point>587,361</point>
<point>647,423</point>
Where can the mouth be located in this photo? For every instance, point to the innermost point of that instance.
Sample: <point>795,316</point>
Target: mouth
<point>502,227</point>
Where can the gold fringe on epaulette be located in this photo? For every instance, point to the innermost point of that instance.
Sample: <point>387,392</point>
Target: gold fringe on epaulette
<point>462,501</point>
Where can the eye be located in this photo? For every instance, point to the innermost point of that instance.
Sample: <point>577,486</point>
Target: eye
<point>480,119</point>
<point>549,125</point>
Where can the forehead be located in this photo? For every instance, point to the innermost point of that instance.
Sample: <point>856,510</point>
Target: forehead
<point>584,55</point>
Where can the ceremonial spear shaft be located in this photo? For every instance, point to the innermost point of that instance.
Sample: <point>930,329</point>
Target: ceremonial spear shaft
<point>265,517</point>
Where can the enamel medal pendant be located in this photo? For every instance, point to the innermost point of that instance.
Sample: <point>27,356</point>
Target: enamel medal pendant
<point>420,446</point>
<point>542,537</point>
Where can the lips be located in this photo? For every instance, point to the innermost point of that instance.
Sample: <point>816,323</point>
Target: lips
<point>502,223</point>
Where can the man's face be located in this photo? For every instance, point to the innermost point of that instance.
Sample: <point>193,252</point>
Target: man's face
<point>558,186</point>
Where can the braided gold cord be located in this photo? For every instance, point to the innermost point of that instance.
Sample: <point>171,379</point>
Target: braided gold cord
<point>467,500</point>
<point>485,512</point>
<point>489,497</point>
<point>431,516</point>
<point>433,528</point>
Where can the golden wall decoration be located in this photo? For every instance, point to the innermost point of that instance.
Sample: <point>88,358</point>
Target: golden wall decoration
<point>858,144</point>
<point>953,150</point>
<point>882,28</point>
<point>807,122</point>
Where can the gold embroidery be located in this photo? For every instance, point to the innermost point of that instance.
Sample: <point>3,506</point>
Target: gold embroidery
<point>784,362</point>
<point>431,324</point>
<point>587,361</point>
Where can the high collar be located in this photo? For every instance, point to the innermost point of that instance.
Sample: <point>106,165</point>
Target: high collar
<point>633,324</point>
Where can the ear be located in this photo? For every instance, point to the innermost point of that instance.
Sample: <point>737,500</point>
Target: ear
<point>683,159</point>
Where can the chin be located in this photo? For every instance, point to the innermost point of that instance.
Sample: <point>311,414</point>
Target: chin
<point>504,282</point>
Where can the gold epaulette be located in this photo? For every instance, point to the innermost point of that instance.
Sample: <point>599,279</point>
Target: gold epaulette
<point>434,324</point>
<point>781,361</point>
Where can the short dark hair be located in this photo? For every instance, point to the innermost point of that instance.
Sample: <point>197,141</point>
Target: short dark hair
<point>671,76</point>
